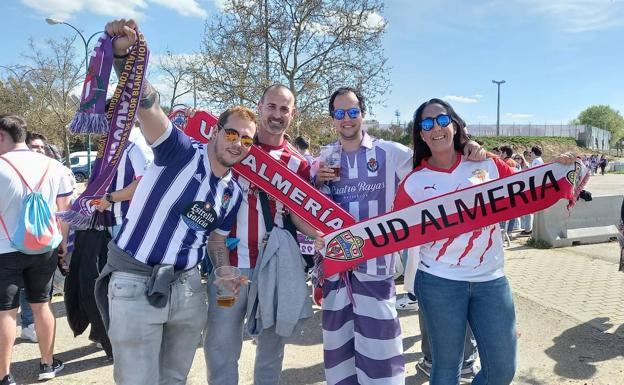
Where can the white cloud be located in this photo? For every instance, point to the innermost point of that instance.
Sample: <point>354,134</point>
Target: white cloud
<point>518,116</point>
<point>461,99</point>
<point>580,15</point>
<point>221,4</point>
<point>184,7</point>
<point>57,9</point>
<point>65,9</point>
<point>374,20</point>
<point>478,96</point>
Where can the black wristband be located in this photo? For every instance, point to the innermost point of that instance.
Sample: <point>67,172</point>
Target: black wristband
<point>109,197</point>
<point>121,56</point>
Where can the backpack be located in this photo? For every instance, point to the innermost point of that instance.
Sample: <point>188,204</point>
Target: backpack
<point>38,230</point>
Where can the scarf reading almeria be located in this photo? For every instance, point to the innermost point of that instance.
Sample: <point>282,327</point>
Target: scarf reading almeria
<point>273,177</point>
<point>452,214</point>
<point>120,116</point>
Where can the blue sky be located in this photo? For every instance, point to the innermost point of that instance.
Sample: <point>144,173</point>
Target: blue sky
<point>556,56</point>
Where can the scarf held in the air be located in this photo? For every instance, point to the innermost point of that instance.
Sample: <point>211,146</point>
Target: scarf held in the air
<point>120,118</point>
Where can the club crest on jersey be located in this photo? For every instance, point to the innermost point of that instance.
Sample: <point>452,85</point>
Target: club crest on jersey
<point>225,201</point>
<point>479,176</point>
<point>179,120</point>
<point>372,165</point>
<point>345,246</point>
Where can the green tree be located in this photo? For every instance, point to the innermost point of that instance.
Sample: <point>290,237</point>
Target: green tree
<point>605,117</point>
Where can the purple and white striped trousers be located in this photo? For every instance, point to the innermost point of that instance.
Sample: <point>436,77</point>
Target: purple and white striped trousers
<point>362,339</point>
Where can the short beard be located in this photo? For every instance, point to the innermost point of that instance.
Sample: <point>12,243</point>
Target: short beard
<point>224,162</point>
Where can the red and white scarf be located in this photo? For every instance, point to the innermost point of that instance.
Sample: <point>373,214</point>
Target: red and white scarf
<point>452,214</point>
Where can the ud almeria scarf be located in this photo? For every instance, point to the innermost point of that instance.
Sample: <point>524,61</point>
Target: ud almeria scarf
<point>452,214</point>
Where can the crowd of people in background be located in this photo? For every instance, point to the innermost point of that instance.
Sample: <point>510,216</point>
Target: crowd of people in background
<point>595,162</point>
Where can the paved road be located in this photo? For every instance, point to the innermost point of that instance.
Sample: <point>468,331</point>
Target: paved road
<point>609,184</point>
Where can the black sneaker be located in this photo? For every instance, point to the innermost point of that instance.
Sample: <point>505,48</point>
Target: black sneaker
<point>8,380</point>
<point>48,371</point>
<point>424,366</point>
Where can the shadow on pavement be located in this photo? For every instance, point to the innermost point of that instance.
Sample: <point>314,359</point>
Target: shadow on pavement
<point>309,332</point>
<point>26,372</point>
<point>578,348</point>
<point>308,375</point>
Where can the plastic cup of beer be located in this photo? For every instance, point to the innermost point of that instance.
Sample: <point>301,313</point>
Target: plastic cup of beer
<point>227,279</point>
<point>330,157</point>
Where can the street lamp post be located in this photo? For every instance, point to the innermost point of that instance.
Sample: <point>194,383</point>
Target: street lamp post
<point>498,84</point>
<point>86,48</point>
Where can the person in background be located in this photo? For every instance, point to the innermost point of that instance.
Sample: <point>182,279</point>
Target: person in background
<point>303,146</point>
<point>536,156</point>
<point>506,154</point>
<point>536,160</point>
<point>512,224</point>
<point>22,167</point>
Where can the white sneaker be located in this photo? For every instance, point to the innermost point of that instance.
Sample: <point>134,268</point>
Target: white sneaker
<point>405,303</point>
<point>28,333</point>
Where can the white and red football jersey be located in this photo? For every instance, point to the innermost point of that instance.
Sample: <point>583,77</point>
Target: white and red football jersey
<point>474,256</point>
<point>250,227</point>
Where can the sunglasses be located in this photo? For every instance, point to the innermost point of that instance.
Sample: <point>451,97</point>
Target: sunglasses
<point>442,119</point>
<point>353,113</point>
<point>231,135</point>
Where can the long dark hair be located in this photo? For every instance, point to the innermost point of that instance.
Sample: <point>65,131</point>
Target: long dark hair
<point>421,149</point>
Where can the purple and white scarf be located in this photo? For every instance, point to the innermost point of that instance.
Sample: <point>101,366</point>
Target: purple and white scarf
<point>91,115</point>
<point>120,119</point>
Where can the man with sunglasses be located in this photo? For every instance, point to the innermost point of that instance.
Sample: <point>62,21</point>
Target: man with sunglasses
<point>362,339</point>
<point>150,293</point>
<point>224,333</point>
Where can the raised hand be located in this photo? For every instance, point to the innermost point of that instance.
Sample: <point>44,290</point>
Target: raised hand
<point>126,33</point>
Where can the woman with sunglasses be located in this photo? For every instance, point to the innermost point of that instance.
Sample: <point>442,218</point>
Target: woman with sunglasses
<point>459,279</point>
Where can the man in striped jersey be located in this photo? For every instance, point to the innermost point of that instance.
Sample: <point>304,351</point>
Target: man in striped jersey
<point>156,305</point>
<point>224,337</point>
<point>362,336</point>
<point>361,331</point>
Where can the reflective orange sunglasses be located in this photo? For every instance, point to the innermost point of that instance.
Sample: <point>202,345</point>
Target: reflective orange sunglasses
<point>231,135</point>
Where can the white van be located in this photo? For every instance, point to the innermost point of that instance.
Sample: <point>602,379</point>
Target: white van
<point>79,158</point>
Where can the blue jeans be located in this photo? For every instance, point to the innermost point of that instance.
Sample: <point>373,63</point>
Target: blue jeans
<point>223,341</point>
<point>488,308</point>
<point>26,314</point>
<point>155,345</point>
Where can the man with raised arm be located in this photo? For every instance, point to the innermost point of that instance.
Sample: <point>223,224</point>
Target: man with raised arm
<point>156,305</point>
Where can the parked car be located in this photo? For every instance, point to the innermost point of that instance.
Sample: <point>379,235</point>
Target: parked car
<point>78,164</point>
<point>80,172</point>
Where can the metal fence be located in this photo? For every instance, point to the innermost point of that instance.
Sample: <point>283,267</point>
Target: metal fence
<point>588,136</point>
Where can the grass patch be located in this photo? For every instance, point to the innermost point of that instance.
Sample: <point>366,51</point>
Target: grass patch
<point>538,244</point>
<point>524,141</point>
